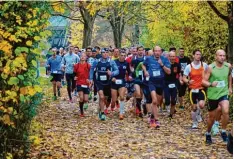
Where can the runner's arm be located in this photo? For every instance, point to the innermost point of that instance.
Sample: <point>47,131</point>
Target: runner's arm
<point>205,77</point>
<point>115,69</point>
<point>230,84</point>
<point>92,70</point>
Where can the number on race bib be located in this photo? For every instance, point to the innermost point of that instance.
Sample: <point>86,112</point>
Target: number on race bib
<point>84,86</point>
<point>220,84</point>
<point>171,85</point>
<point>147,78</point>
<point>103,78</point>
<point>118,81</point>
<point>54,71</point>
<point>195,90</point>
<point>156,73</point>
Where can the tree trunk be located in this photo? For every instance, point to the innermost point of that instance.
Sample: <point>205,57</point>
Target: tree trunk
<point>87,34</point>
<point>135,36</point>
<point>230,32</point>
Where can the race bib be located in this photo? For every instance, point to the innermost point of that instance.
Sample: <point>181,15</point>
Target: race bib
<point>171,85</point>
<point>84,86</point>
<point>195,90</point>
<point>147,78</point>
<point>118,81</point>
<point>220,84</point>
<point>156,73</point>
<point>54,71</point>
<point>140,72</point>
<point>103,78</point>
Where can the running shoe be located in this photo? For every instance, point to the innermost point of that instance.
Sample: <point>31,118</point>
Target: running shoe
<point>157,124</point>
<point>82,115</point>
<point>106,111</point>
<point>208,139</point>
<point>224,136</point>
<point>121,117</point>
<point>152,123</point>
<point>103,116</point>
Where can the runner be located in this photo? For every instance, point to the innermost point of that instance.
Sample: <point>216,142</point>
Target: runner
<point>54,63</point>
<point>218,79</point>
<point>138,78</point>
<point>118,83</point>
<point>197,95</point>
<point>105,69</point>
<point>81,70</point>
<point>154,68</point>
<point>171,84</point>
<point>68,62</point>
<point>184,61</point>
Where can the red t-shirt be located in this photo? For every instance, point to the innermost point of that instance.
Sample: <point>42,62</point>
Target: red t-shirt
<point>82,73</point>
<point>128,60</point>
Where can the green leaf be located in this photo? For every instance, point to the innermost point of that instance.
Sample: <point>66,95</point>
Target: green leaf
<point>21,77</point>
<point>37,38</point>
<point>22,98</point>
<point>13,81</point>
<point>34,63</point>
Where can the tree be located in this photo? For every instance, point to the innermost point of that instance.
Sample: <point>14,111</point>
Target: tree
<point>229,20</point>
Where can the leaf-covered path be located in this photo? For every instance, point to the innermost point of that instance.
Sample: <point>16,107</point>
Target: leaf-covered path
<point>64,135</point>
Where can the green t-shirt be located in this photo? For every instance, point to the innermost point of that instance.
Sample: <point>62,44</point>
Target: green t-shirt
<point>221,76</point>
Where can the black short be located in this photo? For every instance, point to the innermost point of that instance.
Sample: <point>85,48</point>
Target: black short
<point>117,86</point>
<point>197,96</point>
<point>182,89</point>
<point>147,94</point>
<point>84,89</point>
<point>105,88</point>
<point>213,104</point>
<point>56,77</point>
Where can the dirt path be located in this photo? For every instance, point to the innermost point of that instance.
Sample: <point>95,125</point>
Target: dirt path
<point>64,135</point>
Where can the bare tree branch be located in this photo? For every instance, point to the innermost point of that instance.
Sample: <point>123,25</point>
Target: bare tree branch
<point>211,4</point>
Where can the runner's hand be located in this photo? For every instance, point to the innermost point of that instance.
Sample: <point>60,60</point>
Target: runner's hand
<point>214,84</point>
<point>109,72</point>
<point>75,78</point>
<point>146,74</point>
<point>160,62</point>
<point>130,78</point>
<point>113,79</point>
<point>191,82</point>
<point>181,82</point>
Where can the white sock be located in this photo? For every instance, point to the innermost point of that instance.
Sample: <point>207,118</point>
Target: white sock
<point>194,114</point>
<point>121,108</point>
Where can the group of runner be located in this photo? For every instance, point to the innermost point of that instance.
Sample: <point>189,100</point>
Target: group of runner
<point>148,75</point>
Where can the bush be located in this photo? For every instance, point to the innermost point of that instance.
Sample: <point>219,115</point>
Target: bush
<point>22,29</point>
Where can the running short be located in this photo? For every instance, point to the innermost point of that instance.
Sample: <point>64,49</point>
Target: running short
<point>147,94</point>
<point>213,104</point>
<point>170,93</point>
<point>139,82</point>
<point>105,88</point>
<point>182,89</point>
<point>130,87</point>
<point>56,77</point>
<point>117,86</point>
<point>156,88</point>
<point>81,88</point>
<point>197,95</point>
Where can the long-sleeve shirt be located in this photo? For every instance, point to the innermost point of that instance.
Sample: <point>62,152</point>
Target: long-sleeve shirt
<point>55,64</point>
<point>114,68</point>
<point>69,60</point>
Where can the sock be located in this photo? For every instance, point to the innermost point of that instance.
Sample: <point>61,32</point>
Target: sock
<point>216,123</point>
<point>138,103</point>
<point>194,114</point>
<point>58,89</point>
<point>81,107</point>
<point>121,109</point>
<point>117,102</point>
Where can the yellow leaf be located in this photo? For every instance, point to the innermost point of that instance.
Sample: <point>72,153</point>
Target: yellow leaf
<point>6,119</point>
<point>29,43</point>
<point>38,88</point>
<point>9,156</point>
